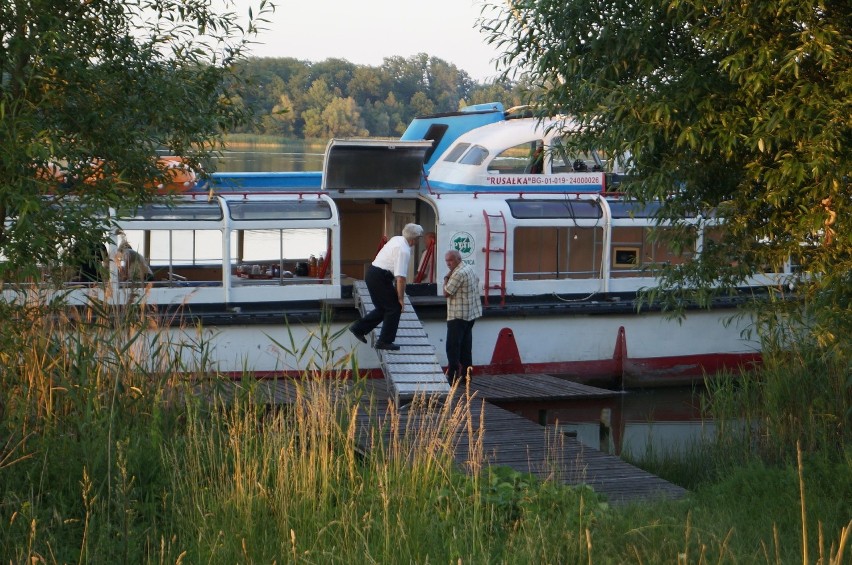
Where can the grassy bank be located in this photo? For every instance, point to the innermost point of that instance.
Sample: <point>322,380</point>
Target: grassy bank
<point>111,457</point>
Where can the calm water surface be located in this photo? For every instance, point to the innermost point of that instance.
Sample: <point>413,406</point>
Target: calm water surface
<point>659,421</point>
<point>292,155</point>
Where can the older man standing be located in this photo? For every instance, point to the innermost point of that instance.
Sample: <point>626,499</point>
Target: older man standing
<point>386,279</point>
<point>461,287</point>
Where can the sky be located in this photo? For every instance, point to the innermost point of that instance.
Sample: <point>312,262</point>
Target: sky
<point>364,32</point>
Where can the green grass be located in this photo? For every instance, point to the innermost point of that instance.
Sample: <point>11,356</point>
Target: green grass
<point>111,457</point>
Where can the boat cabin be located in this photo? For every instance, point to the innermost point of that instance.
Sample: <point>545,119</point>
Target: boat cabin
<point>532,218</point>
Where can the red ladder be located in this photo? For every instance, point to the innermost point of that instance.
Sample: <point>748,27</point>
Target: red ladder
<point>495,252</point>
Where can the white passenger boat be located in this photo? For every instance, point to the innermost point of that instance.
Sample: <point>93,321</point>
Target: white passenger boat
<point>251,259</point>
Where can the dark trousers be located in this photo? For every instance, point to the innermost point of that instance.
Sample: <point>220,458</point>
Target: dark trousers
<point>382,287</point>
<point>459,348</point>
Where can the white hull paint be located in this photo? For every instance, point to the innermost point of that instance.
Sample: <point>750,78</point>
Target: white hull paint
<point>577,346</point>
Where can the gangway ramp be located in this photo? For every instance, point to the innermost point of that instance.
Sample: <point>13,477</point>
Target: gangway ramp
<point>414,369</point>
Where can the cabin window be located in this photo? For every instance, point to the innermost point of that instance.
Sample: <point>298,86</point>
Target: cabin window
<point>543,253</point>
<point>639,251</point>
<point>456,152</point>
<point>565,161</point>
<point>183,247</point>
<point>633,209</point>
<point>552,209</point>
<point>625,257</point>
<point>715,234</point>
<point>180,256</point>
<point>661,247</point>
<point>186,211</point>
<point>286,244</point>
<point>626,210</point>
<point>288,253</point>
<point>476,156</point>
<point>305,209</point>
<point>516,160</point>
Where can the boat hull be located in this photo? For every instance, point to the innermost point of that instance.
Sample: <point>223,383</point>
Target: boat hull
<point>616,349</point>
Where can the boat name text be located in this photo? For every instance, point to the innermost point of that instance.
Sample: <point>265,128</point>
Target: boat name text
<point>495,180</point>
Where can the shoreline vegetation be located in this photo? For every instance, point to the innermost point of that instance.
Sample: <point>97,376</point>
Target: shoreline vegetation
<point>249,140</point>
<point>118,449</point>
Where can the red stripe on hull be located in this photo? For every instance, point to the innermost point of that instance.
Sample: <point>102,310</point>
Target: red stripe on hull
<point>648,372</point>
<point>619,373</point>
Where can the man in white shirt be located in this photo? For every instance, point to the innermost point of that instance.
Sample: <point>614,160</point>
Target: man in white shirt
<point>386,279</point>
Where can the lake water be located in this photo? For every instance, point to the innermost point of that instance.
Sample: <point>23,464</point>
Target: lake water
<point>292,155</point>
<point>660,421</point>
<point>640,422</point>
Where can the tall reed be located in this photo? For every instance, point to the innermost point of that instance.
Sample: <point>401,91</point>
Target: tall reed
<point>123,449</point>
<point>799,395</point>
<point>83,402</point>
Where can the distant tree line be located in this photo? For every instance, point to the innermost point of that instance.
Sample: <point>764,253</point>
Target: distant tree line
<point>297,99</point>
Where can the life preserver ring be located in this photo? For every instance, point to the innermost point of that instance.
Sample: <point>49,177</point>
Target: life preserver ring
<point>180,176</point>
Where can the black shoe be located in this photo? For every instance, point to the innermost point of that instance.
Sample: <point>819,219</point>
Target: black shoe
<point>359,337</point>
<point>387,346</point>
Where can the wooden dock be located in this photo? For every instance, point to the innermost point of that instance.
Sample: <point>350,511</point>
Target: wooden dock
<point>507,439</point>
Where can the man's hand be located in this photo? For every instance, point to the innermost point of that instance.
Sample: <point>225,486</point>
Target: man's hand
<point>400,292</point>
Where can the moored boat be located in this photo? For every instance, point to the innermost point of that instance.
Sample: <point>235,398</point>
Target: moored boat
<point>257,260</point>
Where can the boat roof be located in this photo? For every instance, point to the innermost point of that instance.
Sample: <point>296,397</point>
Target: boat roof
<point>443,129</point>
<point>500,136</point>
<point>467,164</point>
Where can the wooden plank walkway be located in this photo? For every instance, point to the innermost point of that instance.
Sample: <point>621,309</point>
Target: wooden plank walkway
<point>514,441</point>
<point>507,439</point>
<point>534,387</point>
<point>414,369</point>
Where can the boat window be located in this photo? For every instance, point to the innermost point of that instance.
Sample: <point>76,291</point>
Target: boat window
<point>543,253</point>
<point>456,152</point>
<point>641,251</point>
<point>476,156</point>
<point>517,160</point>
<point>622,209</point>
<point>565,161</point>
<point>288,253</point>
<point>286,244</point>
<point>571,209</point>
<point>305,209</point>
<point>181,247</point>
<point>185,211</point>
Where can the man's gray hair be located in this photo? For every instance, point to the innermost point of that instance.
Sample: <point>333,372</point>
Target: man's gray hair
<point>412,231</point>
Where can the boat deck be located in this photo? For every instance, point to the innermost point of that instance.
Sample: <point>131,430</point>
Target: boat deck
<point>507,439</point>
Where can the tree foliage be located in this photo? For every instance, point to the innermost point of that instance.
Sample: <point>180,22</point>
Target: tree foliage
<point>94,89</point>
<point>738,109</point>
<point>384,99</point>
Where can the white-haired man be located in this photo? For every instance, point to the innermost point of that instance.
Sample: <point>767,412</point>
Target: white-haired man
<point>386,280</point>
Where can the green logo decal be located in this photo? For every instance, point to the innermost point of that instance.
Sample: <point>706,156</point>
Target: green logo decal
<point>463,243</point>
